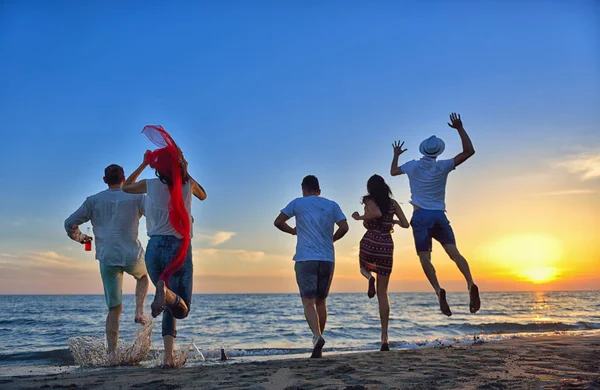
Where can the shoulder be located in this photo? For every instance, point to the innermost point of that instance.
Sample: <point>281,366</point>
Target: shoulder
<point>447,164</point>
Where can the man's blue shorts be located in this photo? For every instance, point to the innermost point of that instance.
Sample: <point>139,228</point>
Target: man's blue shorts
<point>428,224</point>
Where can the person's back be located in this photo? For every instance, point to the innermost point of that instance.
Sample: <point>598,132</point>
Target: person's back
<point>115,217</point>
<point>315,220</point>
<point>315,256</point>
<point>157,208</point>
<point>427,181</point>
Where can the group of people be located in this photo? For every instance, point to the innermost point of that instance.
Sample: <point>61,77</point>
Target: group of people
<point>115,213</point>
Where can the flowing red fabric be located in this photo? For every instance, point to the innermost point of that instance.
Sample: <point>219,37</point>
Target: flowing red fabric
<point>167,160</point>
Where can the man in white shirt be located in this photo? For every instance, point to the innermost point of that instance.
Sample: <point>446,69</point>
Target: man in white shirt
<point>427,178</point>
<point>115,219</point>
<point>315,255</point>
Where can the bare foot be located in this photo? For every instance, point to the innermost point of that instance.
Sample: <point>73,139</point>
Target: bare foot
<point>158,305</point>
<point>371,293</point>
<point>169,361</point>
<point>140,319</point>
<point>474,302</point>
<point>318,347</point>
<point>444,307</point>
<point>112,358</point>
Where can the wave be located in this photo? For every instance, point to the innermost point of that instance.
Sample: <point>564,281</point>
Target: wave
<point>513,327</point>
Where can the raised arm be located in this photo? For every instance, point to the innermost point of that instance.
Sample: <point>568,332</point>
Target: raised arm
<point>395,169</point>
<point>197,189</point>
<point>131,186</point>
<point>402,221</point>
<point>467,145</point>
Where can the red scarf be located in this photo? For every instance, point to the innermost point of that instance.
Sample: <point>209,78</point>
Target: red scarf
<point>167,160</point>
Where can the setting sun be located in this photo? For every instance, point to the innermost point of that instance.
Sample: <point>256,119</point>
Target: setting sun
<point>528,257</point>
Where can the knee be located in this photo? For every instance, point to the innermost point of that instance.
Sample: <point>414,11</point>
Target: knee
<point>453,252</point>
<point>116,310</point>
<point>306,302</point>
<point>425,258</point>
<point>320,303</point>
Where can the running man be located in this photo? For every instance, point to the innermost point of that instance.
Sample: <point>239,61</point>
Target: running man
<point>427,178</point>
<point>115,217</point>
<point>315,255</point>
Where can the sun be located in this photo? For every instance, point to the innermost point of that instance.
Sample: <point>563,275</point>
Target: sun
<point>528,257</point>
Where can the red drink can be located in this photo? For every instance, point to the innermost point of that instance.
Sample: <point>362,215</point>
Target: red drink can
<point>88,245</point>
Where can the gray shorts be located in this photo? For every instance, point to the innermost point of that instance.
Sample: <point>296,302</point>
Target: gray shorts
<point>314,278</point>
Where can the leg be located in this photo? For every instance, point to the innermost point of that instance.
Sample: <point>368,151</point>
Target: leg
<point>460,261</point>
<point>169,358</point>
<point>112,281</point>
<point>425,258</point>
<point>384,305</point>
<point>371,291</point>
<point>141,289</point>
<point>311,315</point>
<point>321,313</point>
<point>112,328</point>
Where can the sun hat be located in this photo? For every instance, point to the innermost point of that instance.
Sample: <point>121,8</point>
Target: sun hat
<point>432,147</point>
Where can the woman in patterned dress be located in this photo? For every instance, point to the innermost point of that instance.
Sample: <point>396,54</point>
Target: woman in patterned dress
<point>377,247</point>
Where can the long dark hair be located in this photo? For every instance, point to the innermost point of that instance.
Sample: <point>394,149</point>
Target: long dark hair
<point>380,193</point>
<point>166,179</point>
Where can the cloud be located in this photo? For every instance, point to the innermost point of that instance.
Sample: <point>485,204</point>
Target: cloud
<point>217,238</point>
<point>587,164</point>
<point>44,261</point>
<point>566,192</point>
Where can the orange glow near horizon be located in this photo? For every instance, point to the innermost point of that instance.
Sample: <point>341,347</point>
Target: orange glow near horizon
<point>528,257</point>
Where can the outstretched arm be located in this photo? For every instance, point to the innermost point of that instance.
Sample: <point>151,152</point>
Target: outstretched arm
<point>371,212</point>
<point>395,169</point>
<point>467,145</point>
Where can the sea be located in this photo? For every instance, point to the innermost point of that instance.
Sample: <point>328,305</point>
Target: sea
<point>35,329</point>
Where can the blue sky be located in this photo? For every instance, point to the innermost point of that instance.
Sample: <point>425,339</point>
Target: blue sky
<point>259,94</point>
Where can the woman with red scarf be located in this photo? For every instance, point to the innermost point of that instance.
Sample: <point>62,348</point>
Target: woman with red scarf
<point>168,209</point>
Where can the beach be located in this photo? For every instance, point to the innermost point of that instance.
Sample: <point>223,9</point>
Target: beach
<point>551,361</point>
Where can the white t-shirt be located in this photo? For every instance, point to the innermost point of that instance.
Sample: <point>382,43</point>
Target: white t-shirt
<point>315,220</point>
<point>157,208</point>
<point>427,178</point>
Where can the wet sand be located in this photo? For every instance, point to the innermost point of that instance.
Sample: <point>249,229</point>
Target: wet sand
<point>547,362</point>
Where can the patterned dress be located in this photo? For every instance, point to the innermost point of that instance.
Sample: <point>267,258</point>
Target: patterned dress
<point>377,246</point>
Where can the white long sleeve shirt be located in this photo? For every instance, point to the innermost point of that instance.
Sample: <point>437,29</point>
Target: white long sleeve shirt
<point>115,217</point>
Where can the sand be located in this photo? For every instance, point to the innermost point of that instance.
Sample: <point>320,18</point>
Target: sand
<point>546,362</point>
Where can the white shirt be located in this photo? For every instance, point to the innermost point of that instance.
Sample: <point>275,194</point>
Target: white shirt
<point>315,219</point>
<point>157,208</point>
<point>427,178</point>
<point>115,217</point>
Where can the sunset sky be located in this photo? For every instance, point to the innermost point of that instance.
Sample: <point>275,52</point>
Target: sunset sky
<point>260,94</point>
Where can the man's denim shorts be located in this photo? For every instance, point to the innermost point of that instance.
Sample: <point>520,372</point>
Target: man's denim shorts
<point>428,224</point>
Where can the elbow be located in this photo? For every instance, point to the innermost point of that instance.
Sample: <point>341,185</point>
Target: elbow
<point>405,225</point>
<point>126,188</point>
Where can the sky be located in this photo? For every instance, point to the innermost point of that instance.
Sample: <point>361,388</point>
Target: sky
<point>260,94</point>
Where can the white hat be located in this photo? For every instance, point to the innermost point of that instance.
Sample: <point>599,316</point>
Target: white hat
<point>432,147</point>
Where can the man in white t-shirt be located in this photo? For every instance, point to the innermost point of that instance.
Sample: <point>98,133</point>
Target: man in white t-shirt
<point>315,255</point>
<point>427,178</point>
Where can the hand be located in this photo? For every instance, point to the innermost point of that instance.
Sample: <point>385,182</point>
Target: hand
<point>456,121</point>
<point>398,148</point>
<point>294,233</point>
<point>356,215</point>
<point>85,238</point>
<point>145,155</point>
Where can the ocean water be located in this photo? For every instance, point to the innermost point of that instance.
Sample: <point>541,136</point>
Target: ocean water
<point>34,330</point>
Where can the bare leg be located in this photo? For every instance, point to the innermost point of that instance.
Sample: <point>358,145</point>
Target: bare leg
<point>312,317</point>
<point>169,358</point>
<point>384,305</point>
<point>322,313</point>
<point>367,274</point>
<point>461,263</point>
<point>165,297</point>
<point>429,270</point>
<point>463,266</point>
<point>112,330</point>
<point>141,289</point>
